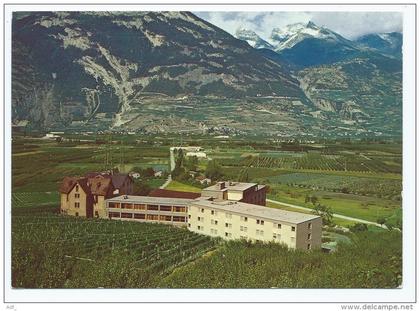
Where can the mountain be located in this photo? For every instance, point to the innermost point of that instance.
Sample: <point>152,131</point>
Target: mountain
<point>386,43</point>
<point>365,93</point>
<point>74,66</point>
<point>252,38</point>
<point>308,45</point>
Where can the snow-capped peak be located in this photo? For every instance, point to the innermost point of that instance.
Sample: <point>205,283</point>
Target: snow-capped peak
<point>252,38</point>
<point>290,35</point>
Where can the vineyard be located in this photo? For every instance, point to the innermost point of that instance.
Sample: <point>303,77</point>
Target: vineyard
<point>27,199</point>
<point>389,188</point>
<point>54,251</point>
<point>318,161</point>
<point>371,260</point>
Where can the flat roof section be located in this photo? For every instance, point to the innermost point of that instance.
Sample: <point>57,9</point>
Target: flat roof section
<point>136,199</point>
<point>257,211</point>
<point>238,186</point>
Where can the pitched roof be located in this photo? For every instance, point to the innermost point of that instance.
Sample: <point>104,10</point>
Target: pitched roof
<point>96,185</point>
<point>163,193</point>
<point>97,174</point>
<point>99,185</point>
<point>118,179</point>
<point>67,184</point>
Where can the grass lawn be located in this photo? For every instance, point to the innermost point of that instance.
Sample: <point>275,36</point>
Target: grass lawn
<point>178,186</point>
<point>367,208</point>
<point>337,221</point>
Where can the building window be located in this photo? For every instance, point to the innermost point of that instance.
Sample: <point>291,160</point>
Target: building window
<point>77,195</point>
<point>228,225</point>
<point>213,231</point>
<point>228,234</point>
<point>180,209</point>
<point>243,228</point>
<point>243,218</point>
<point>214,222</point>
<point>77,214</point>
<point>258,221</point>
<point>310,225</point>
<point>178,218</point>
<point>274,236</point>
<point>202,210</point>
<point>77,188</point>
<point>152,207</point>
<point>212,212</point>
<point>77,204</point>
<point>200,218</point>
<point>293,228</point>
<point>262,222</point>
<point>259,232</point>
<point>278,226</point>
<point>309,236</point>
<point>139,216</point>
<point>189,216</point>
<point>199,227</point>
<point>165,208</point>
<point>189,225</point>
<point>309,245</point>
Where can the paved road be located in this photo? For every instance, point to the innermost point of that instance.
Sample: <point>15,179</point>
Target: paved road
<point>335,215</point>
<point>172,163</point>
<point>166,182</point>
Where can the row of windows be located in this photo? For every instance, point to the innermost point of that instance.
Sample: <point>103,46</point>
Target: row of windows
<point>147,217</point>
<point>245,219</point>
<point>148,207</point>
<point>229,225</point>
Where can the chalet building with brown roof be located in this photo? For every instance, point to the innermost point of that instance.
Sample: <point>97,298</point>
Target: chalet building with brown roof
<point>85,196</point>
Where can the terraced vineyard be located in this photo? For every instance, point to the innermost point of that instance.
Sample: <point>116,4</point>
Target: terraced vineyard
<point>76,252</point>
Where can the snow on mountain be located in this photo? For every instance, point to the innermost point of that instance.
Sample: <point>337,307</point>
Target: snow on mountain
<point>289,36</point>
<point>252,38</point>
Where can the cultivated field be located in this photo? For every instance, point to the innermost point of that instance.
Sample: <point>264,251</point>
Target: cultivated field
<point>53,251</point>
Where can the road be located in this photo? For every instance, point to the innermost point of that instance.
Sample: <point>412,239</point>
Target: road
<point>334,215</point>
<point>172,162</point>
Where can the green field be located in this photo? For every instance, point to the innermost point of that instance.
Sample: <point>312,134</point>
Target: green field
<point>178,186</point>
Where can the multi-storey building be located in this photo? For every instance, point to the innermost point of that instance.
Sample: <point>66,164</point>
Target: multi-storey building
<point>171,211</point>
<point>237,191</point>
<point>238,220</point>
<point>85,196</point>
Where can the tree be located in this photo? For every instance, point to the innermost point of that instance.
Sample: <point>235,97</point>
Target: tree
<point>191,163</point>
<point>141,188</point>
<point>325,212</point>
<point>314,199</point>
<point>381,220</point>
<point>213,170</point>
<point>359,227</point>
<point>243,175</point>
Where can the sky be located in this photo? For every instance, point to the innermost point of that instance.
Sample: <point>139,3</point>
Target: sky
<point>350,25</point>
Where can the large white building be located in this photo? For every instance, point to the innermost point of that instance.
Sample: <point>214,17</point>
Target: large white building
<point>218,214</point>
